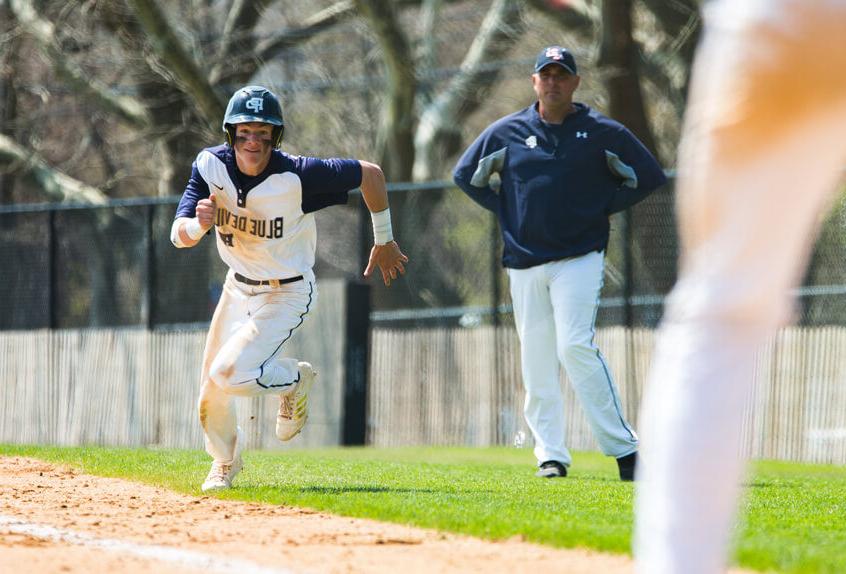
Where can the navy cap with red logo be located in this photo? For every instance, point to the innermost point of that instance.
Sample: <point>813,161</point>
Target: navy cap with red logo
<point>556,55</point>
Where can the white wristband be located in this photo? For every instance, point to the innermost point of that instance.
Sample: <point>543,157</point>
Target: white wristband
<point>193,229</point>
<point>382,231</point>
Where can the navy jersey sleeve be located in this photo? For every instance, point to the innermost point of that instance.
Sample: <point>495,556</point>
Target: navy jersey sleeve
<point>636,167</point>
<point>474,169</point>
<point>196,190</point>
<point>327,181</point>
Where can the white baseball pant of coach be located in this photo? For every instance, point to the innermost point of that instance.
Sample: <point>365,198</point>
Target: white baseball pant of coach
<point>763,145</point>
<point>249,328</point>
<point>555,308</point>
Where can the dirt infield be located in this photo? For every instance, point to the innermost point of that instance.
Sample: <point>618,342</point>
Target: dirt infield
<point>55,519</point>
<point>287,539</point>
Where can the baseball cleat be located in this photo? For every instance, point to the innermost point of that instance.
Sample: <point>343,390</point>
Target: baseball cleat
<point>551,469</point>
<point>627,465</point>
<point>293,405</point>
<point>221,475</point>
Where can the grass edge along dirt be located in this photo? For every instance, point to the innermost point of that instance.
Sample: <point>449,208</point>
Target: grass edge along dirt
<point>794,517</point>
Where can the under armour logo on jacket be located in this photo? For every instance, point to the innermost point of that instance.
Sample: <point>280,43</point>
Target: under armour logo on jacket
<point>532,142</point>
<point>255,104</point>
<point>581,135</point>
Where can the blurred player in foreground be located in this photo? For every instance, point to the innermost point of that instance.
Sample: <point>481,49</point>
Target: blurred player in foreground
<point>261,201</point>
<point>762,148</point>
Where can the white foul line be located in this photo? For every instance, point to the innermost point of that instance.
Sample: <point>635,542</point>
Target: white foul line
<point>185,558</point>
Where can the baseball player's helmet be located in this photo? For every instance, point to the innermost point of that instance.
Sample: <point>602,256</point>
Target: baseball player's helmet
<point>253,104</point>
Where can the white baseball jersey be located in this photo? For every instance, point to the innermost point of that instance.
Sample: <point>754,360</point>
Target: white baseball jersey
<point>265,230</point>
<point>264,224</point>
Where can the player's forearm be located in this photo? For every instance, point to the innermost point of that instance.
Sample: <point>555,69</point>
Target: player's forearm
<point>373,188</point>
<point>186,232</point>
<point>375,195</point>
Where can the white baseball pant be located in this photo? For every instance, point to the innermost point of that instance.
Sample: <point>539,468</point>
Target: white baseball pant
<point>762,145</point>
<point>249,328</point>
<point>555,308</point>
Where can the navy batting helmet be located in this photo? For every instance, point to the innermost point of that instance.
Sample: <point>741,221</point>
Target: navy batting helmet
<point>253,104</point>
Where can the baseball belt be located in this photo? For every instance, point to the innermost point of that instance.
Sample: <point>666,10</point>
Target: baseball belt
<point>270,282</point>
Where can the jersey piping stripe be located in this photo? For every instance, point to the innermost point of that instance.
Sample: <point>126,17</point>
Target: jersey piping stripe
<point>291,332</point>
<point>602,359</point>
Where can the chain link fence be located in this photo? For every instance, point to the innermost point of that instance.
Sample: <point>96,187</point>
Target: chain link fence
<point>114,265</point>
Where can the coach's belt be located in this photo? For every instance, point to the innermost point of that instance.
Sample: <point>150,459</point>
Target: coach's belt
<point>270,282</point>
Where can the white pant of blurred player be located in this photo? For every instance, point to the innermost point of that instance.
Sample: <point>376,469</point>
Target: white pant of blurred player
<point>763,145</point>
<point>554,311</point>
<point>250,326</point>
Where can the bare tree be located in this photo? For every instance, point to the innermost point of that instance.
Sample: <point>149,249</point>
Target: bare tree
<point>174,86</point>
<point>126,113</point>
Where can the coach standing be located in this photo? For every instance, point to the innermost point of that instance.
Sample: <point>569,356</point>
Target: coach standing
<point>563,169</point>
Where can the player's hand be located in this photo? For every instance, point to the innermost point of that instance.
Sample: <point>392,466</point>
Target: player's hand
<point>205,211</point>
<point>389,259</point>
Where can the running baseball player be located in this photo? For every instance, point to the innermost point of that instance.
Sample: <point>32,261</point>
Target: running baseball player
<point>261,202</point>
<point>564,169</point>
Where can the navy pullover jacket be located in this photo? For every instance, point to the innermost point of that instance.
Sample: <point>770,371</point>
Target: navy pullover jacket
<point>558,183</point>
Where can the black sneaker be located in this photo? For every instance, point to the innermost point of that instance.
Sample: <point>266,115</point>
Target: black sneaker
<point>627,465</point>
<point>551,469</point>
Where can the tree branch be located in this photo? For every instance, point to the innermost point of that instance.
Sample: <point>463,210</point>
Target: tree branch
<point>43,32</point>
<point>57,186</point>
<point>237,34</point>
<point>170,51</point>
<point>682,25</point>
<point>498,32</point>
<point>312,26</point>
<point>231,69</point>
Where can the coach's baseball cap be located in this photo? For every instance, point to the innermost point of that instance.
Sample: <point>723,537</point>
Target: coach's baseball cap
<point>556,55</point>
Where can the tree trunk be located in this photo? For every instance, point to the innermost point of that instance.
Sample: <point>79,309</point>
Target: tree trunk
<point>396,139</point>
<point>620,62</point>
<point>8,98</point>
<point>427,50</point>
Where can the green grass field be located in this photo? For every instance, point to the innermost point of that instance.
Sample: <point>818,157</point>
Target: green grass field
<point>794,521</point>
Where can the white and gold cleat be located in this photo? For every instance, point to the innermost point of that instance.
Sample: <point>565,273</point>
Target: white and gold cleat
<point>293,405</point>
<point>221,475</point>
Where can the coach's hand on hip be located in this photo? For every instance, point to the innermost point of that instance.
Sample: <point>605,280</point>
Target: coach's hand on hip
<point>389,259</point>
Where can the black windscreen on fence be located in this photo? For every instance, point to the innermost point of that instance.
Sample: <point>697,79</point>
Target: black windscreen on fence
<point>71,266</point>
<point>25,256</point>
